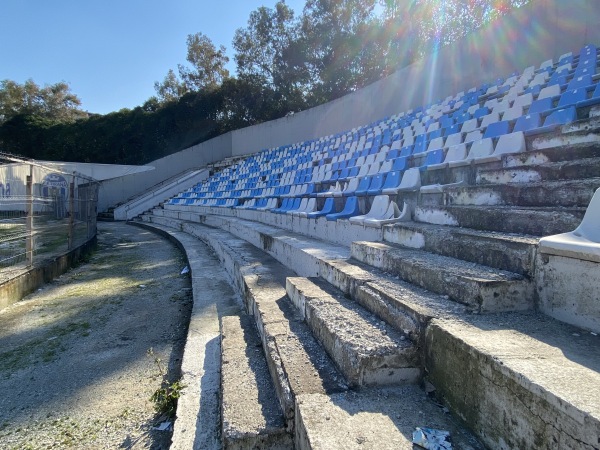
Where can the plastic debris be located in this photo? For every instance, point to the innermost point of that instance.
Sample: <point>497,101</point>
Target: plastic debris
<point>165,426</point>
<point>142,286</point>
<point>185,270</point>
<point>432,439</point>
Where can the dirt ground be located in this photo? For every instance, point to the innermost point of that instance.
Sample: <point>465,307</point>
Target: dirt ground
<point>78,358</point>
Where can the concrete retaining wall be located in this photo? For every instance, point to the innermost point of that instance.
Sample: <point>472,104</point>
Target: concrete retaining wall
<point>16,288</point>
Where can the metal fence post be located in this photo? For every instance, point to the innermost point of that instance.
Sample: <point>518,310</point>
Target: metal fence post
<point>29,220</point>
<point>71,211</point>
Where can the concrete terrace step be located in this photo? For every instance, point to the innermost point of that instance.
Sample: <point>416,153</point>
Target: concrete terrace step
<point>381,418</point>
<point>566,193</point>
<point>251,416</point>
<point>366,350</point>
<point>372,418</point>
<point>538,221</point>
<point>511,252</point>
<point>406,307</point>
<point>522,380</point>
<point>482,288</point>
<point>563,170</point>
<point>297,362</point>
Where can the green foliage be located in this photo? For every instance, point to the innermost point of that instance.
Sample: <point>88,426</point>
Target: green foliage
<point>166,396</point>
<point>55,102</point>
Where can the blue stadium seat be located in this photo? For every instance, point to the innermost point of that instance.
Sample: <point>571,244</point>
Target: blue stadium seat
<point>433,157</point>
<point>328,208</point>
<point>561,117</point>
<point>497,129</point>
<point>593,100</point>
<point>578,82</point>
<point>376,185</point>
<point>542,106</point>
<point>569,98</point>
<point>528,124</point>
<point>350,209</point>
<point>400,164</point>
<point>363,186</point>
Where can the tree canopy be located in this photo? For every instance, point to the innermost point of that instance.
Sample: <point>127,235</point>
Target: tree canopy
<point>55,101</point>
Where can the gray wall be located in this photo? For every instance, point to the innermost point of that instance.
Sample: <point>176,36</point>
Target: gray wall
<point>542,30</point>
<point>118,190</point>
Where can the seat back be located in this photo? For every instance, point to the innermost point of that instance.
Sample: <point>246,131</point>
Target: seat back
<point>588,228</point>
<point>379,207</point>
<point>481,148</point>
<point>411,179</point>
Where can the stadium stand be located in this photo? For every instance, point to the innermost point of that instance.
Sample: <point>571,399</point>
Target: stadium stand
<point>461,296</point>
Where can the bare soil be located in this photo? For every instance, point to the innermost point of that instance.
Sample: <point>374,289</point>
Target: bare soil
<point>81,357</point>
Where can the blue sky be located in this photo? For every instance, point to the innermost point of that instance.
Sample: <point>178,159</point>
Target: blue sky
<point>112,51</point>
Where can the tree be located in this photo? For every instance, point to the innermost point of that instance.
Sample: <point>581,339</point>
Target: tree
<point>338,42</point>
<point>208,63</point>
<point>170,89</point>
<point>55,101</point>
<point>265,54</point>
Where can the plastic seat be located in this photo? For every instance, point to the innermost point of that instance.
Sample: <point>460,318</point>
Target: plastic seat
<point>328,208</point>
<point>383,211</point>
<point>350,188</point>
<point>579,82</point>
<point>310,206</point>
<point>376,185</point>
<point>542,106</point>
<point>433,157</point>
<point>496,129</point>
<point>454,154</point>
<point>479,149</point>
<point>508,143</point>
<point>363,186</point>
<point>411,181</point>
<point>400,164</point>
<point>392,179</point>
<point>573,97</point>
<point>350,209</point>
<point>528,124</point>
<point>560,117</point>
<point>593,100</point>
<point>331,191</point>
<point>581,243</point>
<point>301,207</point>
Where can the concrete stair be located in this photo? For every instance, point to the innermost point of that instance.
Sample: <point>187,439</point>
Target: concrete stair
<point>496,372</point>
<point>506,251</point>
<point>534,221</point>
<point>366,350</point>
<point>481,288</point>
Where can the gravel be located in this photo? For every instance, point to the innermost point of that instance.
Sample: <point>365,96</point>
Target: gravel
<point>81,357</point>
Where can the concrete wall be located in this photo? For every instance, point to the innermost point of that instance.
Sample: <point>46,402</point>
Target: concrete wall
<point>541,30</point>
<point>124,188</point>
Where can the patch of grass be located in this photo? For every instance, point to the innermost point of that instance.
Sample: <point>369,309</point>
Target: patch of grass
<point>42,349</point>
<point>166,396</point>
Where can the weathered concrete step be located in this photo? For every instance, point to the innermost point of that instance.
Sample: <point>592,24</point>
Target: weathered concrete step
<point>365,349</point>
<point>511,252</point>
<point>482,288</point>
<point>538,221</point>
<point>566,193</point>
<point>563,170</point>
<point>297,362</point>
<point>374,418</point>
<point>580,137</point>
<point>251,416</point>
<point>522,380</point>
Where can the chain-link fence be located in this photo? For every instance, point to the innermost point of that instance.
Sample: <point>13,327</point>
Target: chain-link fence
<point>44,212</point>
